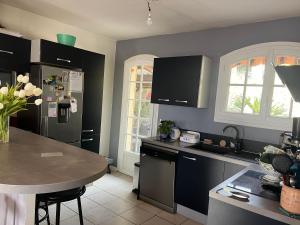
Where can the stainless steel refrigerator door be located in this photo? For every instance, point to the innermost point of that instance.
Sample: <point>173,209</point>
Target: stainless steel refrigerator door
<point>69,132</point>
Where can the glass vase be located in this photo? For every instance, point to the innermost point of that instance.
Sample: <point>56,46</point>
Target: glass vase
<point>4,129</point>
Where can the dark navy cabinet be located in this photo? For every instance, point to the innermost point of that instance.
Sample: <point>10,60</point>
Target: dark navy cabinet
<point>93,67</point>
<point>181,81</point>
<point>14,54</point>
<point>195,177</point>
<point>52,53</point>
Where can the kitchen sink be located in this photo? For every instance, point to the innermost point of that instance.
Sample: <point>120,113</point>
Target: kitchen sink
<point>212,148</point>
<point>229,152</point>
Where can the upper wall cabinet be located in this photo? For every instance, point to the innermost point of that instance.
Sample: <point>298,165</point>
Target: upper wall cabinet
<point>14,53</point>
<point>52,53</point>
<point>181,81</point>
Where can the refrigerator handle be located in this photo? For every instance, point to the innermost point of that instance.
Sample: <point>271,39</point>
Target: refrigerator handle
<point>45,133</point>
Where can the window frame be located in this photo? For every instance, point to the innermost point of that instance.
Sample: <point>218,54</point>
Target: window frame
<point>264,119</point>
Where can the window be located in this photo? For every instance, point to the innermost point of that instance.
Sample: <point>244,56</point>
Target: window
<point>250,92</point>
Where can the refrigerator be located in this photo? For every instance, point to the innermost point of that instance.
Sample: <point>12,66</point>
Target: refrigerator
<point>60,115</point>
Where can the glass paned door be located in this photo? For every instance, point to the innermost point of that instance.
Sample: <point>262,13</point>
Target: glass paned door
<point>140,110</point>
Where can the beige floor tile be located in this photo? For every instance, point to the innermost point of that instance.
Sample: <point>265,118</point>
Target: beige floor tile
<point>99,215</point>
<point>102,197</point>
<point>149,208</point>
<point>65,213</point>
<point>157,221</point>
<point>75,221</point>
<point>173,218</point>
<point>91,190</point>
<point>118,206</point>
<point>191,222</point>
<point>137,215</point>
<point>117,220</point>
<point>86,205</point>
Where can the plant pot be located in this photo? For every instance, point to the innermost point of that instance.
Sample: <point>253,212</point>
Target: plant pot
<point>290,199</point>
<point>4,129</point>
<point>163,136</point>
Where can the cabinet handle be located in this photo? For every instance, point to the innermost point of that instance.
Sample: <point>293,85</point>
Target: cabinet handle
<point>63,60</point>
<point>164,99</point>
<point>181,101</point>
<point>86,131</point>
<point>7,52</point>
<point>190,158</point>
<point>87,140</point>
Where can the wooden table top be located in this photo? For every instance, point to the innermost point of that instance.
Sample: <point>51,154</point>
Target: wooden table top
<point>31,164</point>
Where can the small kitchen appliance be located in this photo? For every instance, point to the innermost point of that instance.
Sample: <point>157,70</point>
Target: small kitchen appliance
<point>190,137</point>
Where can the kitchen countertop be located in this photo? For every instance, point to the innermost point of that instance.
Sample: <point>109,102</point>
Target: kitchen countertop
<point>256,204</point>
<point>27,167</point>
<point>242,159</point>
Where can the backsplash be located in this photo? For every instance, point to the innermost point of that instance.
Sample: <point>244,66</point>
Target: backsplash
<point>247,145</point>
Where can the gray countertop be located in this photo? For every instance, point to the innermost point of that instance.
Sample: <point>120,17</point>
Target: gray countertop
<point>256,204</point>
<point>31,164</point>
<point>186,147</point>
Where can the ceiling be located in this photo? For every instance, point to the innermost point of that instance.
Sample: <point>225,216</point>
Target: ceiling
<point>126,19</point>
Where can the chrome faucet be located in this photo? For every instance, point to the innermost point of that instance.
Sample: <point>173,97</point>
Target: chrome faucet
<point>236,143</point>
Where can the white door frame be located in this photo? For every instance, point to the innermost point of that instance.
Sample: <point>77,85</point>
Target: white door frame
<point>135,60</point>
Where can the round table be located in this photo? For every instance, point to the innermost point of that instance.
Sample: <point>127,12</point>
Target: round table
<point>33,164</point>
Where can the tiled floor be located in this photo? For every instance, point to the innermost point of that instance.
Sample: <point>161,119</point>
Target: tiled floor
<point>110,202</point>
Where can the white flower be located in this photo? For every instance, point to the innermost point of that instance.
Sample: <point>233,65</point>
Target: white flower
<point>28,87</point>
<point>4,90</point>
<point>1,106</point>
<point>20,78</point>
<point>37,92</point>
<point>38,101</point>
<point>16,93</point>
<point>22,94</point>
<point>25,79</point>
<point>28,93</point>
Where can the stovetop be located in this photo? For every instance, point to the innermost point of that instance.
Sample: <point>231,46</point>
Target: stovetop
<point>250,182</point>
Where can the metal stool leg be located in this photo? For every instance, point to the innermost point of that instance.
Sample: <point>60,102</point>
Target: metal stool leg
<point>47,211</point>
<point>57,213</point>
<point>80,211</point>
<point>37,212</point>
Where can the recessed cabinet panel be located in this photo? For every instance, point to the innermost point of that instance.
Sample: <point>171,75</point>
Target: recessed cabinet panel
<point>93,67</point>
<point>14,53</point>
<point>181,81</point>
<point>52,53</point>
<point>195,176</point>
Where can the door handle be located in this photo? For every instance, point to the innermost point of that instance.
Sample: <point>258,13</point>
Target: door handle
<point>190,158</point>
<point>164,99</point>
<point>181,101</point>
<point>63,60</point>
<point>7,52</point>
<point>87,131</point>
<point>87,140</point>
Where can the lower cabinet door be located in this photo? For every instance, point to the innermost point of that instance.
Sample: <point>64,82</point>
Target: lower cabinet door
<point>90,142</point>
<point>195,176</point>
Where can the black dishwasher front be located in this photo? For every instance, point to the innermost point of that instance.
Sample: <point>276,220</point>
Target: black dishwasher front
<point>157,176</point>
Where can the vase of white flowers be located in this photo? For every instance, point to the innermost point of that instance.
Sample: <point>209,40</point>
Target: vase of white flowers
<point>14,99</point>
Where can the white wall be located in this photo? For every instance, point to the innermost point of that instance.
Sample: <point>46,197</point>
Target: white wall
<point>33,26</point>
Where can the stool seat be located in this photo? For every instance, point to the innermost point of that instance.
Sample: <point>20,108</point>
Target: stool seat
<point>44,200</point>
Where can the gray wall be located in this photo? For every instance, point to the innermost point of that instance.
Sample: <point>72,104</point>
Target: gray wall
<point>213,43</point>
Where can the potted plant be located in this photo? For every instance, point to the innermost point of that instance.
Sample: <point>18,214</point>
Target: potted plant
<point>13,99</point>
<point>165,128</point>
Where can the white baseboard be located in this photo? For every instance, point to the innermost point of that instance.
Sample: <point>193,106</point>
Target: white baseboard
<point>191,214</point>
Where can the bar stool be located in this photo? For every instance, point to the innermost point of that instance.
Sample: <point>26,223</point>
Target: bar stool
<point>44,200</point>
